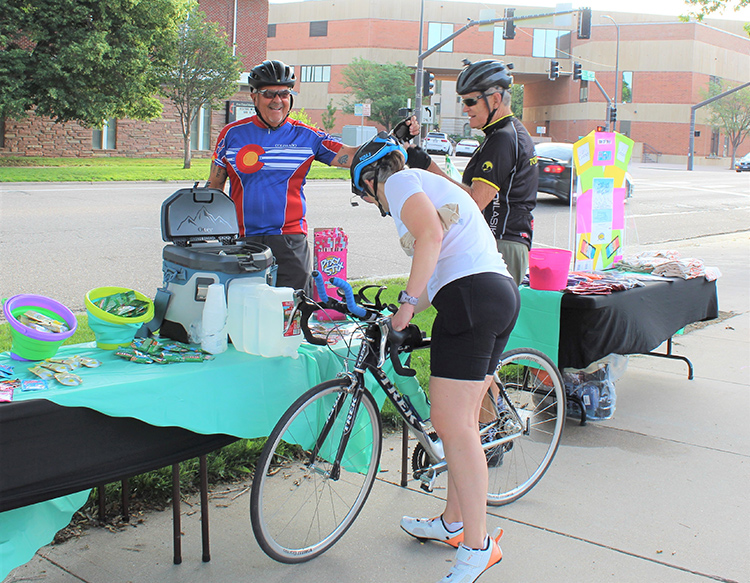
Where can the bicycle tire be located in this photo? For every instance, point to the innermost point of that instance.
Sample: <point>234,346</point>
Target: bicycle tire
<point>534,385</point>
<point>297,511</point>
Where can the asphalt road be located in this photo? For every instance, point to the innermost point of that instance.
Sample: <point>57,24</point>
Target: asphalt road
<point>62,240</point>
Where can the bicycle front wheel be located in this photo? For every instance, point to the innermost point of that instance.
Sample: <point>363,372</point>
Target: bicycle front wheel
<point>531,416</point>
<point>301,504</point>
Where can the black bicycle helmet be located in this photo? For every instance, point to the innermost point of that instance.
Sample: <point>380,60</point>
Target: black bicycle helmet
<point>483,75</point>
<point>271,73</point>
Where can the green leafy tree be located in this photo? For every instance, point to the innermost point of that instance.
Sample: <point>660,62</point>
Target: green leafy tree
<point>203,71</point>
<point>303,116</point>
<point>385,86</point>
<point>731,113</point>
<point>84,60</point>
<point>516,100</point>
<point>329,116</point>
<point>702,8</point>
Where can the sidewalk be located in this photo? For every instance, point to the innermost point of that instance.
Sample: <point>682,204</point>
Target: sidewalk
<point>658,493</point>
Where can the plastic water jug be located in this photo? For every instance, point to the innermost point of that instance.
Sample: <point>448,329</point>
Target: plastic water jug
<point>259,319</point>
<point>242,322</point>
<point>214,321</point>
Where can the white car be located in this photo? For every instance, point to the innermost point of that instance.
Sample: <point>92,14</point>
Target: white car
<point>438,143</point>
<point>466,147</point>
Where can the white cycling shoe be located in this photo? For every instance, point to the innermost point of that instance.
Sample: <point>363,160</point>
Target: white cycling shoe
<point>471,563</point>
<point>432,529</point>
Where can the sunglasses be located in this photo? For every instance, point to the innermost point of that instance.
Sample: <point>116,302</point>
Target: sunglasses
<point>472,101</point>
<point>273,93</point>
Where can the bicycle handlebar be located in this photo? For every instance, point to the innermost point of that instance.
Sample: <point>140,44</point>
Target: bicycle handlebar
<point>404,340</point>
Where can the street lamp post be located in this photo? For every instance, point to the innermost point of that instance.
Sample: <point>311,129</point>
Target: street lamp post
<point>617,62</point>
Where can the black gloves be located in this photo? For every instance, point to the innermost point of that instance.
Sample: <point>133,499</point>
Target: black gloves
<point>402,132</point>
<point>417,158</point>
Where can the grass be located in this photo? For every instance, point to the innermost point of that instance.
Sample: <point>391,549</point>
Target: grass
<point>37,169</point>
<point>237,460</point>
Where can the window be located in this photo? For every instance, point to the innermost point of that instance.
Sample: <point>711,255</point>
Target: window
<point>551,44</point>
<point>200,130</point>
<point>319,28</point>
<point>271,31</point>
<point>438,31</point>
<point>627,87</point>
<point>498,42</point>
<point>583,92</point>
<point>105,138</point>
<point>315,74</point>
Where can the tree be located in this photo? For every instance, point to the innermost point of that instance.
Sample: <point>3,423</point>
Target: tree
<point>516,100</point>
<point>731,113</point>
<point>386,87</point>
<point>303,116</point>
<point>329,117</point>
<point>204,71</point>
<point>703,8</point>
<point>84,60</point>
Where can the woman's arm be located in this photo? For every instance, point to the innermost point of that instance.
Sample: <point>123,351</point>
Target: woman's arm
<point>421,219</point>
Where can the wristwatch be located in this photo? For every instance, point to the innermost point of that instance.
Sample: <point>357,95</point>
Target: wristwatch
<point>404,298</point>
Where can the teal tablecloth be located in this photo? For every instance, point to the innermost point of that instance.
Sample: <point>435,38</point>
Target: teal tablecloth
<point>538,324</point>
<point>236,393</point>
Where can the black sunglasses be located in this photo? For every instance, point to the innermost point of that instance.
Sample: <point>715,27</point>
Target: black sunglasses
<point>472,101</point>
<point>273,93</point>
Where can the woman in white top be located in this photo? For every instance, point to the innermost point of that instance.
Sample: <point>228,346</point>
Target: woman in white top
<point>455,267</point>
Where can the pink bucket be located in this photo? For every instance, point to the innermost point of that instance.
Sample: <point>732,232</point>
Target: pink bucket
<point>548,268</point>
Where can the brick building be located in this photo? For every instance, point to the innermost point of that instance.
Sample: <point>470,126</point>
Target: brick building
<point>664,66</point>
<point>245,22</point>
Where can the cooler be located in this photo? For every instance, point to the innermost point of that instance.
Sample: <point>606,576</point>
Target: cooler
<point>202,225</point>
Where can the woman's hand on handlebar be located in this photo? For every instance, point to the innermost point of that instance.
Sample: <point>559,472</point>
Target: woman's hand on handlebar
<point>402,317</point>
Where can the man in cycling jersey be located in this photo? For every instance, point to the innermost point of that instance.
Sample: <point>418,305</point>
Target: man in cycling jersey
<point>266,158</point>
<point>502,176</point>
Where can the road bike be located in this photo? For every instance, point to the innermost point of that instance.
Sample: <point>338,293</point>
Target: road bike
<point>319,464</point>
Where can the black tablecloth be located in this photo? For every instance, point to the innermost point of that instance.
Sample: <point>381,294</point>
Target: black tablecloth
<point>632,321</point>
<point>47,450</point>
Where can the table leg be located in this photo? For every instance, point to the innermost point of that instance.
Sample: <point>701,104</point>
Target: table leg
<point>203,468</point>
<point>126,499</point>
<point>176,528</point>
<point>102,499</point>
<point>669,354</point>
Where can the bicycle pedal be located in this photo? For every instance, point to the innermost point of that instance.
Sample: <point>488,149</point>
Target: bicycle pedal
<point>426,487</point>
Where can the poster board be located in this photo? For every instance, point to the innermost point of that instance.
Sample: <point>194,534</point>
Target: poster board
<point>601,160</point>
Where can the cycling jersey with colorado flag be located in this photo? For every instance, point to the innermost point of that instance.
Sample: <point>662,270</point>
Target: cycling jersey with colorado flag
<point>267,171</point>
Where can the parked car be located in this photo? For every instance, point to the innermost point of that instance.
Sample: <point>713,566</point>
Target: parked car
<point>438,143</point>
<point>466,147</point>
<point>555,163</point>
<point>742,164</point>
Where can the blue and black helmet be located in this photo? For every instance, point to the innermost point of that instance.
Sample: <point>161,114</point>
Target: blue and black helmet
<point>370,153</point>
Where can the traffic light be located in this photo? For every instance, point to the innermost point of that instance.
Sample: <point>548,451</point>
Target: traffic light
<point>554,70</point>
<point>613,116</point>
<point>509,30</point>
<point>428,84</point>
<point>584,23</point>
<point>577,71</point>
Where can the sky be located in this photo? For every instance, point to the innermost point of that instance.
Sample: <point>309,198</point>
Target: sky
<point>663,7</point>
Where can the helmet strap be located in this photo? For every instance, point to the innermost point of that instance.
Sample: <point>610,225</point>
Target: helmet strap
<point>492,111</point>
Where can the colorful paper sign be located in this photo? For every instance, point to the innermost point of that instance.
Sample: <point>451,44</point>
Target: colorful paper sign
<point>601,160</point>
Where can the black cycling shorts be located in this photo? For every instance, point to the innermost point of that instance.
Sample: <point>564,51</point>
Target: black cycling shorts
<point>475,316</point>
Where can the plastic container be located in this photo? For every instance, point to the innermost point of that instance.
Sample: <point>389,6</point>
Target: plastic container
<point>549,268</point>
<point>30,344</point>
<point>110,331</point>
<point>259,320</point>
<point>242,314</point>
<point>214,320</point>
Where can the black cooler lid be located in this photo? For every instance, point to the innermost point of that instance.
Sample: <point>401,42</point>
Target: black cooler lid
<point>198,214</point>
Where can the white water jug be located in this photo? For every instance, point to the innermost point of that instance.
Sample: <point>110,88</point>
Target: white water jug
<point>259,319</point>
<point>214,320</point>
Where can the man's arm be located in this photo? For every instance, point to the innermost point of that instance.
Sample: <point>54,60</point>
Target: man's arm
<point>344,157</point>
<point>218,177</point>
<point>481,191</point>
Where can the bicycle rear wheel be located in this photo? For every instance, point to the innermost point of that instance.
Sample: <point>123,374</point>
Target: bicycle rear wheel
<point>533,425</point>
<point>298,508</point>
